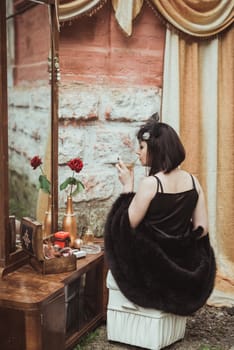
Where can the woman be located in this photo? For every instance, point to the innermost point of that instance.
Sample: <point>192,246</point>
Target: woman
<point>156,240</point>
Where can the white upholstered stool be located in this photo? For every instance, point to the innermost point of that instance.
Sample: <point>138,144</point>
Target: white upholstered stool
<point>131,324</point>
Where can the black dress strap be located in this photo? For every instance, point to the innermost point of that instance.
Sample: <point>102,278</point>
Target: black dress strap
<point>194,185</point>
<point>159,186</point>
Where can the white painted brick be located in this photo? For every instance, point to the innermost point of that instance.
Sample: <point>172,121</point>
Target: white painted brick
<point>97,123</point>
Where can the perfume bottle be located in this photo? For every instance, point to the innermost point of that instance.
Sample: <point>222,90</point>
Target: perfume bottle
<point>88,237</point>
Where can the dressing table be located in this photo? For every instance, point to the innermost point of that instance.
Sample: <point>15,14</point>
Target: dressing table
<point>38,311</point>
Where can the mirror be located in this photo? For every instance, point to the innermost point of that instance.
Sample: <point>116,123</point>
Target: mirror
<point>28,48</point>
<point>29,109</point>
<point>29,106</point>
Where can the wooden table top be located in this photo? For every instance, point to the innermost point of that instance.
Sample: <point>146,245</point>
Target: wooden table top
<point>27,289</point>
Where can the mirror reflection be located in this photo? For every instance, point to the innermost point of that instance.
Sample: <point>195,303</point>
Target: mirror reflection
<point>29,111</point>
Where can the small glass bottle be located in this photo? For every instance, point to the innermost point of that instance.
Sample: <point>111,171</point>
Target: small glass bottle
<point>88,237</point>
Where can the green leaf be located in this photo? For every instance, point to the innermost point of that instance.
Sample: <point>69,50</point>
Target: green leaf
<point>64,184</point>
<point>79,187</point>
<point>68,181</point>
<point>44,184</point>
<point>72,181</point>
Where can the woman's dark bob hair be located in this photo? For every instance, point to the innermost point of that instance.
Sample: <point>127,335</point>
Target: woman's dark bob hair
<point>165,150</point>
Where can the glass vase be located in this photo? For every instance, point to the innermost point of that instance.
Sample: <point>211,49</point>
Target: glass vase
<point>47,219</point>
<point>69,221</point>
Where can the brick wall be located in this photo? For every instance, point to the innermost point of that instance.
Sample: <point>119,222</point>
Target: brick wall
<point>95,50</point>
<point>32,38</point>
<point>109,84</point>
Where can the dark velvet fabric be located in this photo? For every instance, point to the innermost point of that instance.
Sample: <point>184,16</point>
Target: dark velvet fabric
<point>162,264</point>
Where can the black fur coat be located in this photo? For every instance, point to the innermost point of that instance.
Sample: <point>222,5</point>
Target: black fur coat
<point>166,273</point>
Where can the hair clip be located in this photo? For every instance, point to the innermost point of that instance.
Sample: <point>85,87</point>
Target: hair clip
<point>146,136</point>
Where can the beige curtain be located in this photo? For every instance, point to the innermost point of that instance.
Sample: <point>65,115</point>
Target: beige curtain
<point>170,108</point>
<point>200,18</point>
<point>76,8</point>
<point>203,115</point>
<point>225,175</point>
<point>126,12</point>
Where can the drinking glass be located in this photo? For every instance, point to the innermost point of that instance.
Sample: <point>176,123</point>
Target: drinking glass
<point>129,159</point>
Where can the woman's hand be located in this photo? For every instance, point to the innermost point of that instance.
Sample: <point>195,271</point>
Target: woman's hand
<point>126,176</point>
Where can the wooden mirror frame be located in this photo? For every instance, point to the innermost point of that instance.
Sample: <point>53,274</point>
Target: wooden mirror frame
<point>10,261</point>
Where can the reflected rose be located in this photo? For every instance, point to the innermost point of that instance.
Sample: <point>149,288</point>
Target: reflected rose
<point>43,181</point>
<point>35,162</point>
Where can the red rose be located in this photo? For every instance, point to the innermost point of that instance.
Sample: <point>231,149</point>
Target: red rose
<point>75,164</point>
<point>35,162</point>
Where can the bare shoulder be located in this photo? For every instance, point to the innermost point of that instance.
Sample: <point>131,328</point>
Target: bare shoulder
<point>148,181</point>
<point>147,186</point>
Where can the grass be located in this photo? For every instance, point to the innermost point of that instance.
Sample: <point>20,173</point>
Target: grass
<point>208,347</point>
<point>88,338</point>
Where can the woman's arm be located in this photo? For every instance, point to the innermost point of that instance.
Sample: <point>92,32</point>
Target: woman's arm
<point>200,217</point>
<point>141,201</point>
